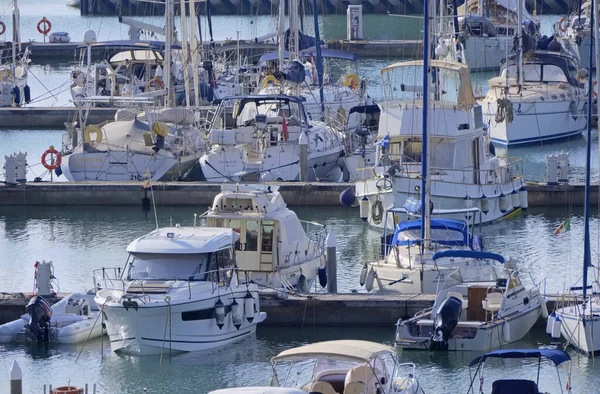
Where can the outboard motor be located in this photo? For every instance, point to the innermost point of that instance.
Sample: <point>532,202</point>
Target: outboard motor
<point>40,312</point>
<point>444,322</point>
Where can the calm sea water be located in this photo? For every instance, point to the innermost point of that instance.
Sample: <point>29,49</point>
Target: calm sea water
<point>79,240</point>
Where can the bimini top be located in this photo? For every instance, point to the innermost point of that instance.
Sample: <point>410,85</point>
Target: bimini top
<point>306,53</point>
<point>557,356</point>
<point>468,254</point>
<point>465,90</point>
<point>184,240</point>
<point>349,349</point>
<point>443,231</point>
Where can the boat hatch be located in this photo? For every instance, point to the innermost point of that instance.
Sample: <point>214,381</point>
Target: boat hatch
<point>150,287</point>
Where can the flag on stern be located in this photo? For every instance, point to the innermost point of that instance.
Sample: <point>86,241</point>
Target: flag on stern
<point>564,226</point>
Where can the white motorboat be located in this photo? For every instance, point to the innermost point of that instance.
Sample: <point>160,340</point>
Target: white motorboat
<point>465,173</point>
<point>14,68</point>
<point>73,319</point>
<point>261,140</point>
<point>275,248</point>
<point>577,320</point>
<point>163,145</point>
<point>486,309</point>
<point>179,291</point>
<point>487,28</point>
<point>345,366</point>
<point>512,384</point>
<point>537,96</point>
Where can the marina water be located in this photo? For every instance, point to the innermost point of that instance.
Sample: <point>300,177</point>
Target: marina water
<point>80,239</point>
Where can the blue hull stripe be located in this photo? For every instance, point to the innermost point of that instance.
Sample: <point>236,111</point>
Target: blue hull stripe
<point>535,139</point>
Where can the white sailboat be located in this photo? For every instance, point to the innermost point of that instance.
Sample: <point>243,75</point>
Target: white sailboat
<point>577,321</point>
<point>179,291</point>
<point>576,28</point>
<point>14,68</point>
<point>536,98</point>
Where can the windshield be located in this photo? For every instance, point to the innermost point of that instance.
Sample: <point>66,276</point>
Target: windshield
<point>537,73</point>
<point>167,266</point>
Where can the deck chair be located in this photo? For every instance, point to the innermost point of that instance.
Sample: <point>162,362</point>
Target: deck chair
<point>322,387</point>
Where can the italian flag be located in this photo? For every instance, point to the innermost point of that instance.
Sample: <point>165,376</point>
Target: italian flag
<point>564,226</point>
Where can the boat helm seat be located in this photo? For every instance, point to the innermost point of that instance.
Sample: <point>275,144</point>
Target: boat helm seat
<point>493,302</point>
<point>356,388</point>
<point>510,386</point>
<point>322,387</point>
<point>364,375</point>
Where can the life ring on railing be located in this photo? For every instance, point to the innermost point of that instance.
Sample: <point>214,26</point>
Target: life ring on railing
<point>2,27</point>
<point>155,82</point>
<point>351,80</point>
<point>54,164</point>
<point>160,128</point>
<point>269,79</point>
<point>47,26</point>
<point>90,130</point>
<point>594,87</point>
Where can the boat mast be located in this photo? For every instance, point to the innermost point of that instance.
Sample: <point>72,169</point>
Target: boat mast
<point>194,51</point>
<point>588,160</point>
<point>168,36</point>
<point>185,54</point>
<point>520,35</point>
<point>319,59</point>
<point>281,34</point>
<point>425,214</point>
<point>16,41</point>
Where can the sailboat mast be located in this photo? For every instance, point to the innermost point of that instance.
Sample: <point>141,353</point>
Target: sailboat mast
<point>293,42</point>
<point>520,35</point>
<point>588,160</point>
<point>168,36</point>
<point>425,229</point>
<point>16,41</point>
<point>319,55</point>
<point>281,34</point>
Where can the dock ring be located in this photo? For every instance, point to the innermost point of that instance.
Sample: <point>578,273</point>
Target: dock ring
<point>2,27</point>
<point>47,26</point>
<point>92,129</point>
<point>54,162</point>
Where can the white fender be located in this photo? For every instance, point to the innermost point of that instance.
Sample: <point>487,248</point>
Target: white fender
<point>370,279</point>
<point>363,275</point>
<point>556,326</point>
<point>544,306</point>
<point>237,314</point>
<point>550,323</point>
<point>506,332</point>
<point>364,208</point>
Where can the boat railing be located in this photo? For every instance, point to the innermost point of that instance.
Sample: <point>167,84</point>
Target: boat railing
<point>316,233</point>
<point>506,170</point>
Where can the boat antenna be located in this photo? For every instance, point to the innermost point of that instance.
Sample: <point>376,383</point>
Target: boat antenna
<point>424,178</point>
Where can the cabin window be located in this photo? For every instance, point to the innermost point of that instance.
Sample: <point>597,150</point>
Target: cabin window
<point>412,151</point>
<point>442,154</point>
<point>554,73</point>
<point>268,227</point>
<point>251,236</point>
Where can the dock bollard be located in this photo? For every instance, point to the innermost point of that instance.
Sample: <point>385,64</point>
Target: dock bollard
<point>15,375</point>
<point>330,243</point>
<point>303,141</point>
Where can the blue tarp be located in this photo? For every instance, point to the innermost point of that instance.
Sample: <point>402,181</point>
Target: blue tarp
<point>436,224</point>
<point>468,254</point>
<point>325,52</point>
<point>555,355</point>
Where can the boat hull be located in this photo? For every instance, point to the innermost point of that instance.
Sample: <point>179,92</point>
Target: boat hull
<point>585,338</point>
<point>486,53</point>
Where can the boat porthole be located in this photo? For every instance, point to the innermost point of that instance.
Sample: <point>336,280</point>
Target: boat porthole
<point>525,300</point>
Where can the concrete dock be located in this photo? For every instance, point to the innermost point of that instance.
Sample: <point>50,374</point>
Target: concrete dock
<point>202,193</point>
<point>319,309</point>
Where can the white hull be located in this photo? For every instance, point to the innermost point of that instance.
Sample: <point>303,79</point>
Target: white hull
<point>585,338</point>
<point>537,121</point>
<point>124,166</point>
<point>483,338</point>
<point>486,53</point>
<point>446,197</point>
<point>147,329</point>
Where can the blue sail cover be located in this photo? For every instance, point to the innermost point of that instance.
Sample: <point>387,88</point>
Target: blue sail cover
<point>460,228</point>
<point>468,254</point>
<point>325,52</point>
<point>131,45</point>
<point>557,356</point>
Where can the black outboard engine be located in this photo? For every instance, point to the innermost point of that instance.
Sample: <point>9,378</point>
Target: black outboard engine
<point>445,320</point>
<point>38,329</point>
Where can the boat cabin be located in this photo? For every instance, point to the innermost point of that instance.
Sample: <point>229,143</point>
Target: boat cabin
<point>546,67</point>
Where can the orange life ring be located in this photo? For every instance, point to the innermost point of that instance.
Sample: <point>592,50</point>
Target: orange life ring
<point>47,26</point>
<point>2,27</point>
<point>51,151</point>
<point>155,82</point>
